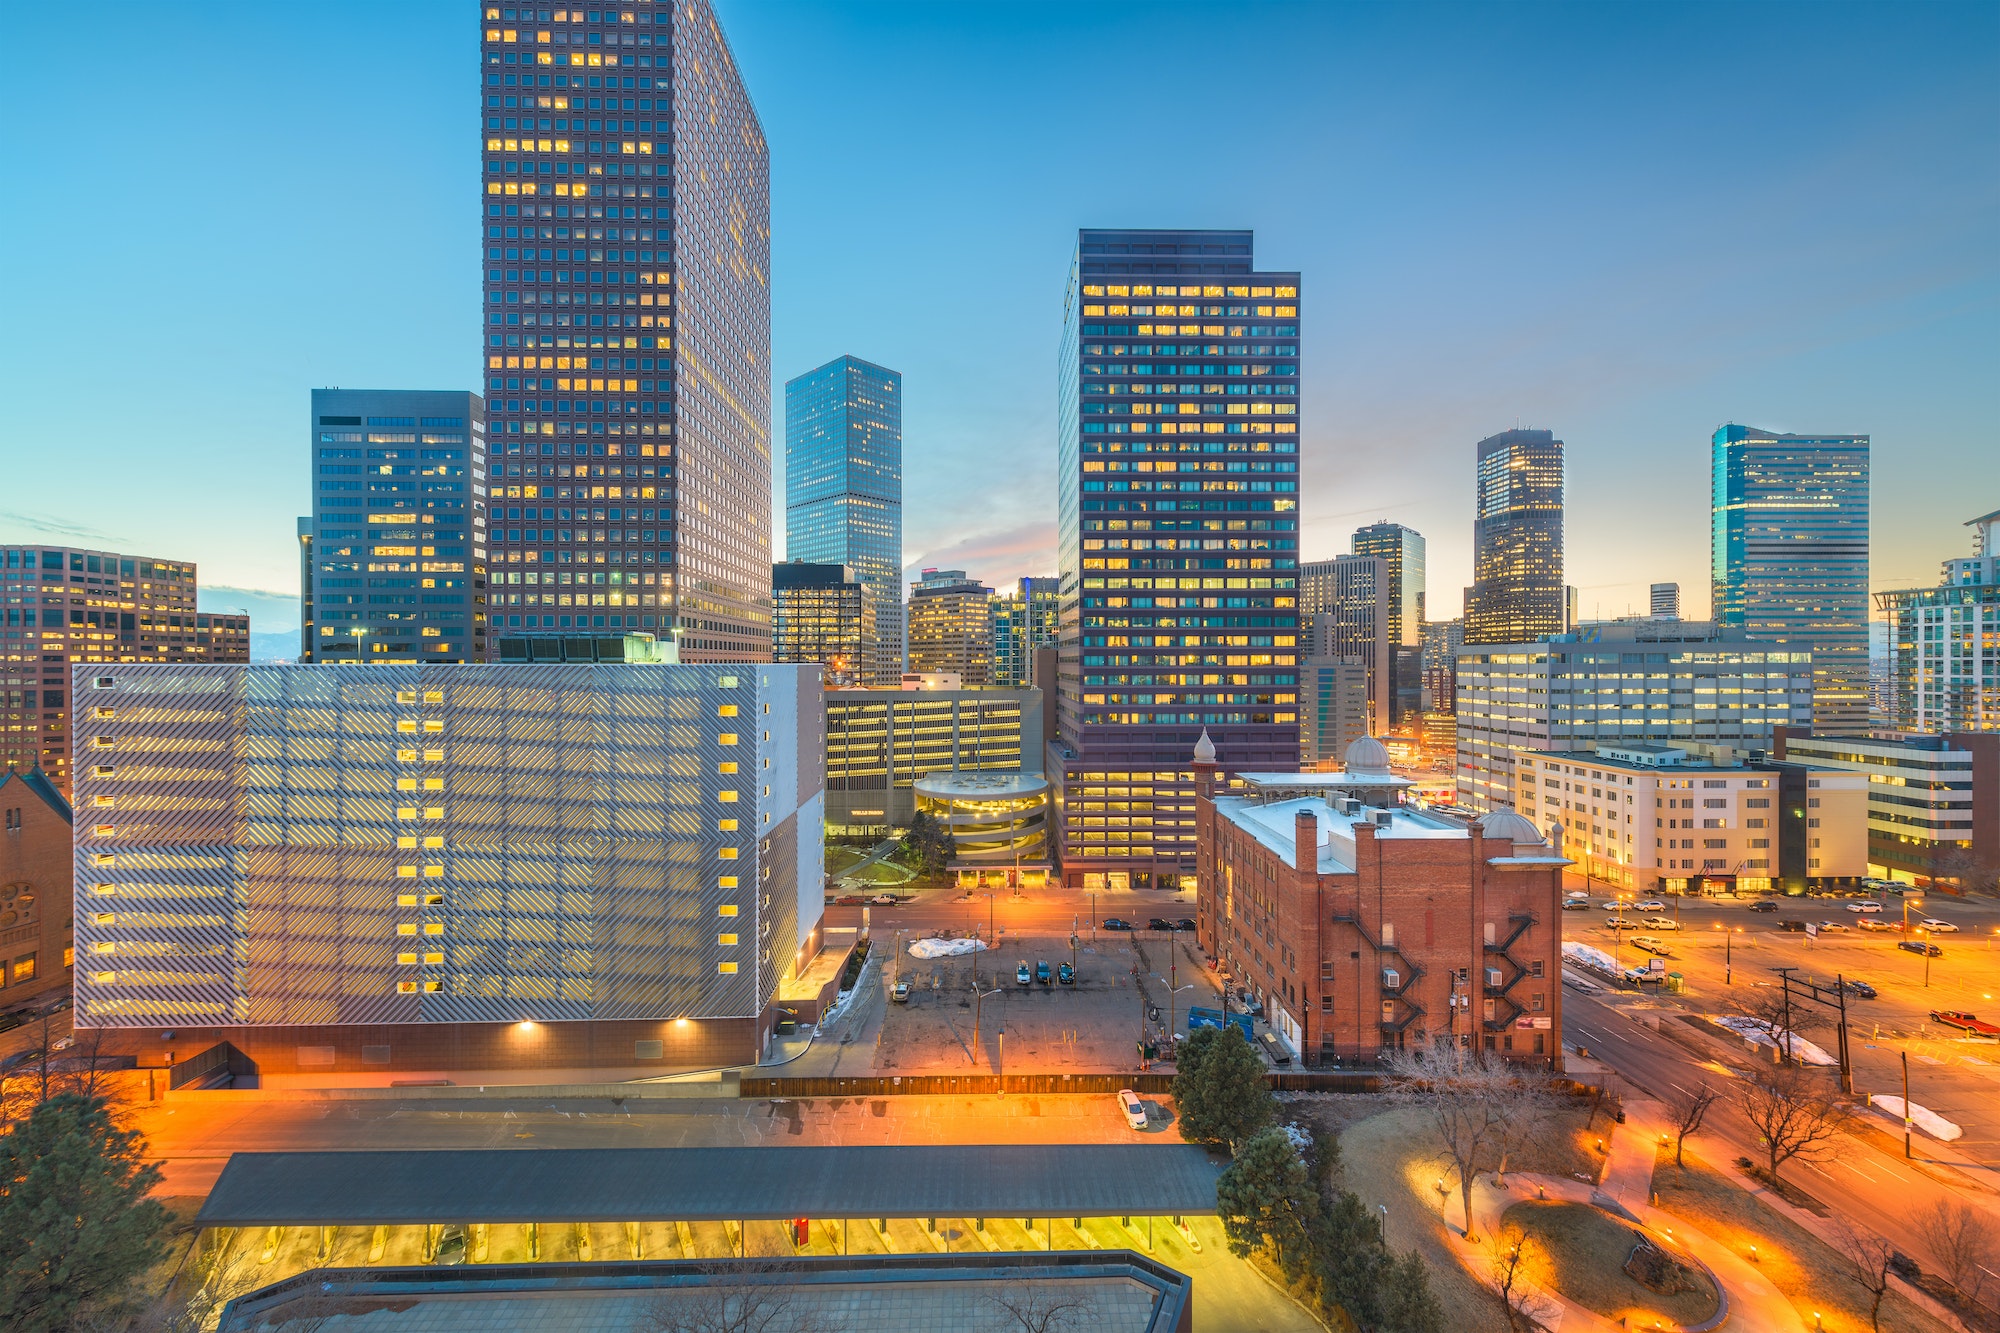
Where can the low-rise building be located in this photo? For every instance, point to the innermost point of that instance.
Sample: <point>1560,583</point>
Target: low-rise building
<point>879,742</point>
<point>37,871</point>
<point>999,823</point>
<point>1693,819</point>
<point>1946,643</point>
<point>1364,925</point>
<point>1933,801</point>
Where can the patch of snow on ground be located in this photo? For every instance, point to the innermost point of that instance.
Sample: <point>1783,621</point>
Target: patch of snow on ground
<point>1757,1030</point>
<point>944,948</point>
<point>1929,1121</point>
<point>1575,951</point>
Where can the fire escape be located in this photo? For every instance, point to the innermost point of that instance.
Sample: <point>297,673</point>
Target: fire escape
<point>1399,1004</point>
<point>1497,989</point>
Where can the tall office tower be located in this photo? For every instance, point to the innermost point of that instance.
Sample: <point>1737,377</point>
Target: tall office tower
<point>1788,556</point>
<point>1334,708</point>
<point>1946,642</point>
<point>1666,604</point>
<point>1025,621</point>
<point>951,626</point>
<point>399,557</point>
<point>1345,607</point>
<point>818,614</point>
<point>1401,550</point>
<point>1442,640</point>
<point>1517,590</point>
<point>65,606</point>
<point>1177,508</point>
<point>627,342</point>
<point>308,631</point>
<point>844,489</point>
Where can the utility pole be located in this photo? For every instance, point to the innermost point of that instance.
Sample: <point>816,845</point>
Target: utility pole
<point>977,997</point>
<point>1846,1069</point>
<point>1785,980</point>
<point>1906,1106</point>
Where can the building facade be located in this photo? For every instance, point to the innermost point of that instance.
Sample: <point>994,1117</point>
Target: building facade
<point>1788,556</point>
<point>64,605</point>
<point>1401,551</point>
<point>1334,705</point>
<point>1442,640</point>
<point>879,742</point>
<point>396,866</point>
<point>951,627</point>
<point>1366,926</point>
<point>844,489</point>
<point>1177,534</point>
<point>1690,819</point>
<point>1517,591</point>
<point>397,546</point>
<point>1945,643</point>
<point>1025,621</point>
<point>1346,604</point>
<point>627,341</point>
<point>1933,802</point>
<point>1665,603</point>
<point>1619,683</point>
<point>37,872</point>
<point>820,613</point>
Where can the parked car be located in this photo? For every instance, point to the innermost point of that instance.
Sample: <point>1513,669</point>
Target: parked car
<point>19,1058</point>
<point>1576,904</point>
<point>1662,923</point>
<point>1788,923</point>
<point>900,992</point>
<point>1620,923</point>
<point>1654,973</point>
<point>1611,905</point>
<point>1184,923</point>
<point>885,900</point>
<point>451,1246</point>
<point>1873,923</point>
<point>1931,923</point>
<point>1826,926</point>
<point>1651,944</point>
<point>1042,973</point>
<point>8,1022</point>
<point>1964,1022</point>
<point>1866,905</point>
<point>1134,1109</point>
<point>1066,974</point>
<point>1022,976</point>
<point>1649,905</point>
<point>1763,905</point>
<point>849,900</point>
<point>1159,923</point>
<point>1114,923</point>
<point>1924,947</point>
<point>1861,988</point>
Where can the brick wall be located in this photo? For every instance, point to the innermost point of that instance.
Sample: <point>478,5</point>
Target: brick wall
<point>37,876</point>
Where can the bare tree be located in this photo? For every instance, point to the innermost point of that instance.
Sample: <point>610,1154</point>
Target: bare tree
<point>1479,1110</point>
<point>1689,1110</point>
<point>1794,1112</point>
<point>1510,1268</point>
<point>1782,1019</point>
<point>738,1296</point>
<point>1960,1239</point>
<point>1042,1307</point>
<point>1872,1259</point>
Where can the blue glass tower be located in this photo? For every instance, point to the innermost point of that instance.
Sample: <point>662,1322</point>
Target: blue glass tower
<point>844,488</point>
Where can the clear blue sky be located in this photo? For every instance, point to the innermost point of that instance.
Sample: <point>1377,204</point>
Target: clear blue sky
<point>1627,223</point>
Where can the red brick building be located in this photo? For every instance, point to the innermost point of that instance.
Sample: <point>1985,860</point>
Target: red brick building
<point>1363,924</point>
<point>37,877</point>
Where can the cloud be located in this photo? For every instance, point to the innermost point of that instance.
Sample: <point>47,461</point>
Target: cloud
<point>997,557</point>
<point>55,527</point>
<point>270,612</point>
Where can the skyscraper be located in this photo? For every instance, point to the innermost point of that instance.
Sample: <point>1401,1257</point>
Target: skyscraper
<point>844,489</point>
<point>1401,550</point>
<point>1177,510</point>
<point>398,566</point>
<point>1945,642</point>
<point>1442,640</point>
<point>62,606</point>
<point>1517,589</point>
<point>951,626</point>
<point>1346,606</point>
<point>1788,556</point>
<point>627,340</point>
<point>817,615</point>
<point>1025,621</point>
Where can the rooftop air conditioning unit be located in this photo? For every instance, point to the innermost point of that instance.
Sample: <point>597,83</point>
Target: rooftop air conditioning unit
<point>1349,805</point>
<point>1384,818</point>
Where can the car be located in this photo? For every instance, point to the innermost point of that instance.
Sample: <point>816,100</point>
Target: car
<point>1159,923</point>
<point>1898,889</point>
<point>1791,924</point>
<point>8,1022</point>
<point>20,1058</point>
<point>900,992</point>
<point>1964,1022</point>
<point>849,900</point>
<point>1870,923</point>
<point>1763,905</point>
<point>1931,923</point>
<point>61,1004</point>
<point>1651,944</point>
<point>885,900</point>
<point>1066,975</point>
<point>451,1246</point>
<point>1114,923</point>
<point>1022,976</point>
<point>1133,1108</point>
<point>1612,905</point>
<point>1861,988</point>
<point>1184,923</point>
<point>1620,923</point>
<point>1866,905</point>
<point>1924,947</point>
<point>1649,905</point>
<point>1826,926</point>
<point>1576,904</point>
<point>1042,973</point>
<point>1662,923</point>
<point>1642,976</point>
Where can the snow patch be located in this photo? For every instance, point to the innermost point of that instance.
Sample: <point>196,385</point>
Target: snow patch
<point>1584,955</point>
<point>1929,1121</point>
<point>1757,1030</point>
<point>944,948</point>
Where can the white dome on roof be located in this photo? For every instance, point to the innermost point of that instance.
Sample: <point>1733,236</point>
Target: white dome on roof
<point>1512,827</point>
<point>1367,755</point>
<point>1204,749</point>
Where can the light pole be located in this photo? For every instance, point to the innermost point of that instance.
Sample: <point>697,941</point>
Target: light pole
<point>1906,1106</point>
<point>1926,941</point>
<point>1173,1015</point>
<point>977,996</point>
<point>1728,953</point>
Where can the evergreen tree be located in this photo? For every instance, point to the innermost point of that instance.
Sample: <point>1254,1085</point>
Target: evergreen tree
<point>1267,1195</point>
<point>1407,1303</point>
<point>1219,1091</point>
<point>76,1226</point>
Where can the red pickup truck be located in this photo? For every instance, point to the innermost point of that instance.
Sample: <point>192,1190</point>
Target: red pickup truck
<point>1964,1022</point>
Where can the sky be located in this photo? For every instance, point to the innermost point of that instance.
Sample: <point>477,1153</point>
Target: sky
<point>1628,224</point>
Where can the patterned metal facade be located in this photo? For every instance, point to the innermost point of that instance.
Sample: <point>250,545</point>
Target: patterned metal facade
<point>443,843</point>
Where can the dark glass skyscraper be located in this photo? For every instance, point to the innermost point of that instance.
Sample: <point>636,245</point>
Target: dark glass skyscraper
<point>844,489</point>
<point>1517,536</point>
<point>627,337</point>
<point>1788,555</point>
<point>1402,553</point>
<point>1177,494</point>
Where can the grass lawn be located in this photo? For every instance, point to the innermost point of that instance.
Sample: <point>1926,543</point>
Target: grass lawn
<point>1585,1250</point>
<point>1811,1274</point>
<point>840,858</point>
<point>882,872</point>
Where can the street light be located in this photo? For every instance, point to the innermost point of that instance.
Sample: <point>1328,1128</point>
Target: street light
<point>977,996</point>
<point>1172,1013</point>
<point>1728,953</point>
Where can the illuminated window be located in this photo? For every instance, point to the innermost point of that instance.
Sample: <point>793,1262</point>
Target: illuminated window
<point>433,928</point>
<point>433,958</point>
<point>106,919</point>
<point>104,802</point>
<point>406,725</point>
<point>103,830</point>
<point>728,853</point>
<point>725,710</point>
<point>433,696</point>
<point>406,987</point>
<point>433,784</point>
<point>433,841</point>
<point>406,900</point>
<point>406,928</point>
<point>726,969</point>
<point>406,812</point>
<point>406,872</point>
<point>727,909</point>
<point>433,726</point>
<point>727,766</point>
<point>725,939</point>
<point>433,872</point>
<point>433,812</point>
<point>725,797</point>
<point>104,978</point>
<point>406,840</point>
<point>725,826</point>
<point>406,784</point>
<point>433,756</point>
<point>406,756</point>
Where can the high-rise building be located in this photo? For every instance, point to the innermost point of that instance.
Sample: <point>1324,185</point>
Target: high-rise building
<point>1442,640</point>
<point>1345,607</point>
<point>818,614</point>
<point>64,606</point>
<point>1945,642</point>
<point>1620,683</point>
<point>951,627</point>
<point>397,540</point>
<point>844,489</point>
<point>1025,621</point>
<point>1177,513</point>
<point>1334,708</point>
<point>1666,601</point>
<point>1401,550</point>
<point>627,343</point>
<point>1517,591</point>
<point>1788,555</point>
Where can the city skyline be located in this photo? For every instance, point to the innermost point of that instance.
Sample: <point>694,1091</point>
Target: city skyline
<point>1919,325</point>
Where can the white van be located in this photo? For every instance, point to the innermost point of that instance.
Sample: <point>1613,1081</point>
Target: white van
<point>1134,1109</point>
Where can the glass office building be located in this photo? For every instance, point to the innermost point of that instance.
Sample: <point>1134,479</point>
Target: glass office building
<point>1788,556</point>
<point>1517,589</point>
<point>1025,621</point>
<point>1402,553</point>
<point>627,333</point>
<point>1177,520</point>
<point>844,488</point>
<point>818,614</point>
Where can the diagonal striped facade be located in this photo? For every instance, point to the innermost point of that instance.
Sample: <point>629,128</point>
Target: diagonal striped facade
<point>309,845</point>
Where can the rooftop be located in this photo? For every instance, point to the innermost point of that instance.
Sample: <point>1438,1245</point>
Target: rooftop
<point>969,783</point>
<point>1274,824</point>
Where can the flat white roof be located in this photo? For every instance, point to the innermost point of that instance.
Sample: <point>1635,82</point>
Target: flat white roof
<point>1274,825</point>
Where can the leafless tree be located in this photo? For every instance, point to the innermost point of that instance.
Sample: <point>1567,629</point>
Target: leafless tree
<point>1781,1019</point>
<point>1479,1110</point>
<point>1871,1258</point>
<point>1510,1268</point>
<point>738,1296</point>
<point>1960,1239</point>
<point>1042,1307</point>
<point>1794,1112</point>
<point>1689,1110</point>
